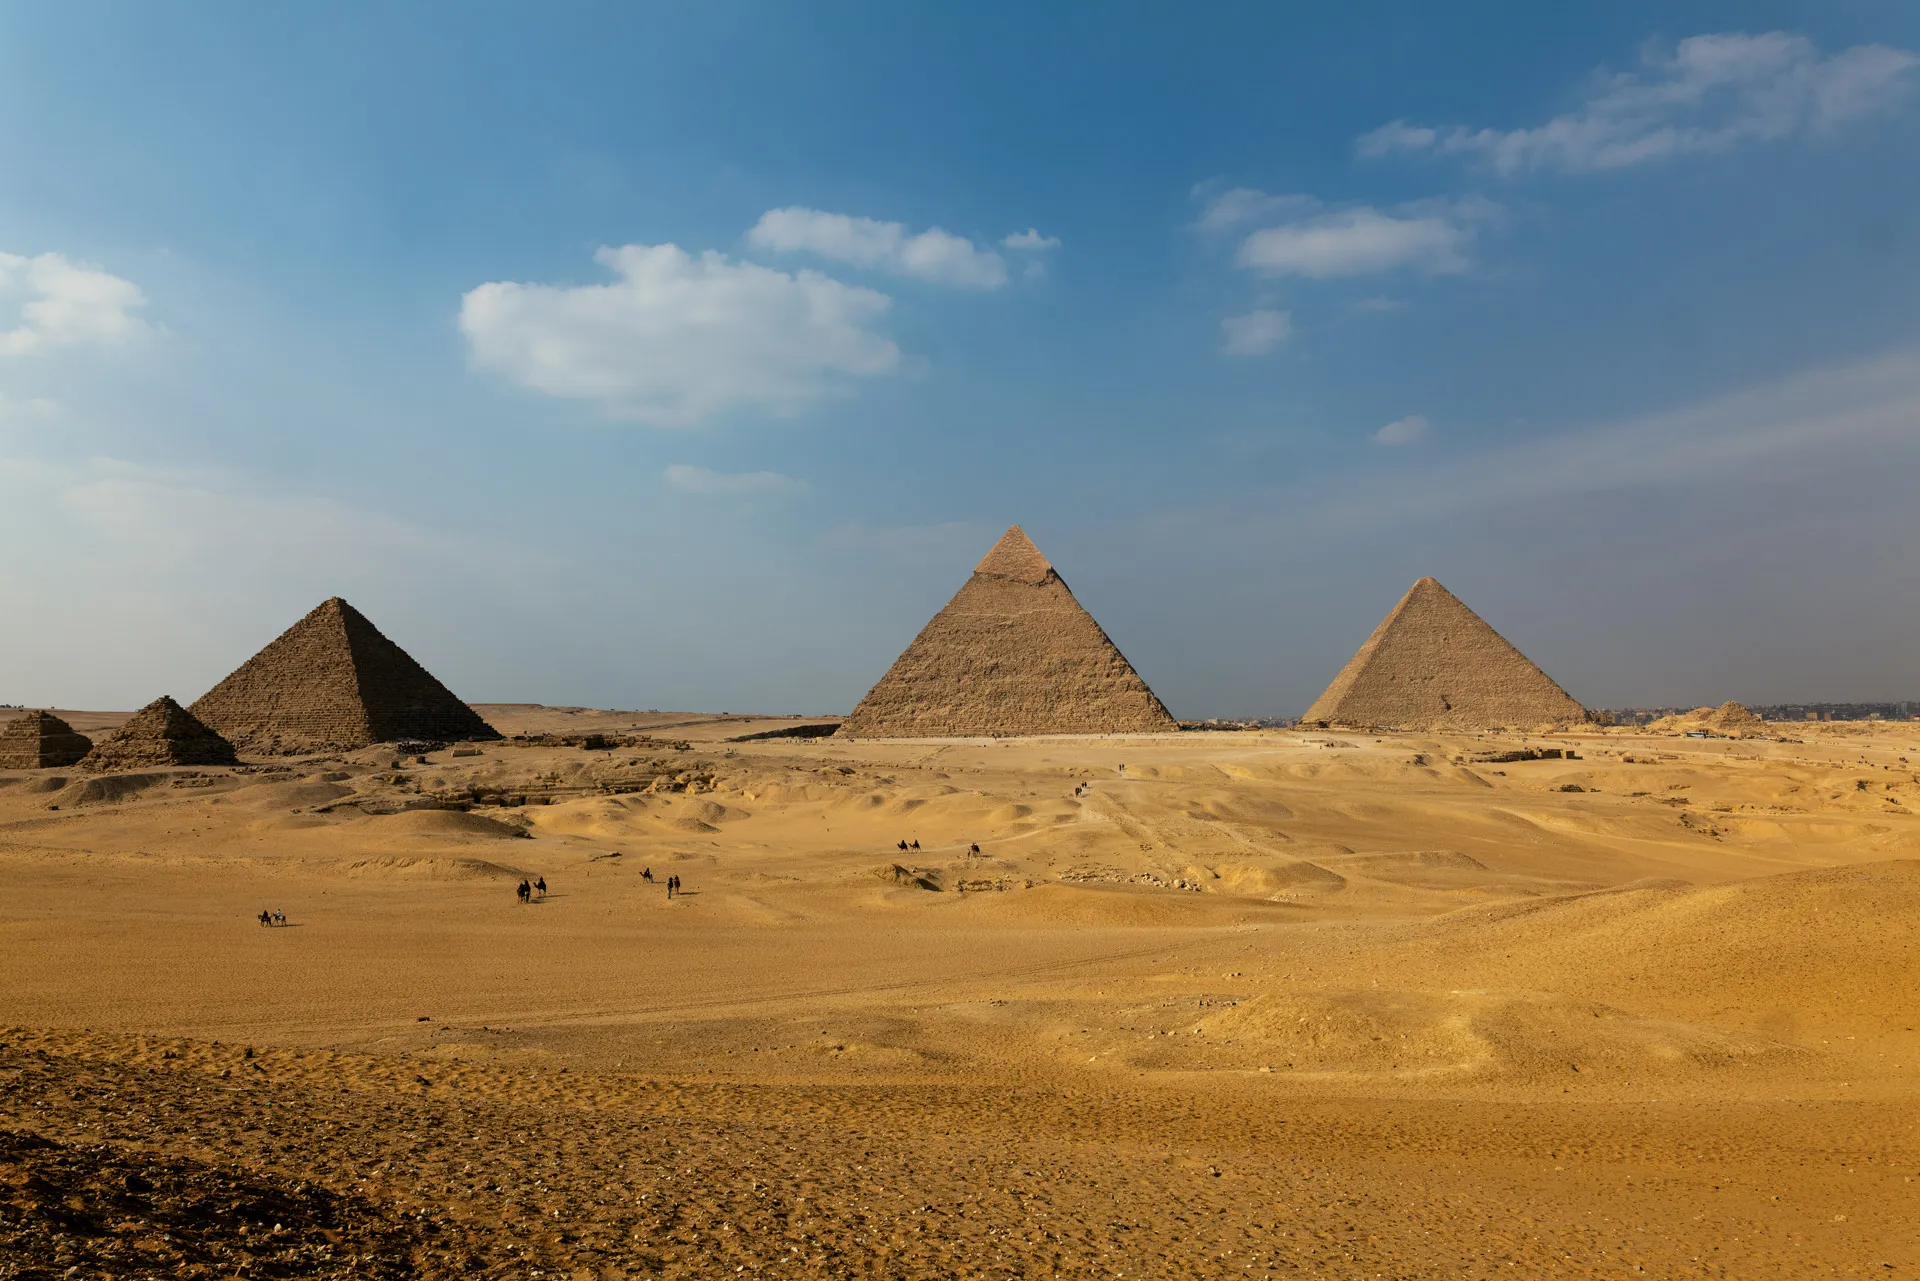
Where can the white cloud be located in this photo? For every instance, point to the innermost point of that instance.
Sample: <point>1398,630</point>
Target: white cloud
<point>1709,93</point>
<point>1256,333</point>
<point>699,480</point>
<point>66,304</point>
<point>1362,241</point>
<point>934,255</point>
<point>678,339</point>
<point>1030,239</point>
<point>1402,431</point>
<point>1242,206</point>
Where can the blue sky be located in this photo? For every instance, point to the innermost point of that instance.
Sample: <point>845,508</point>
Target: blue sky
<point>689,355</point>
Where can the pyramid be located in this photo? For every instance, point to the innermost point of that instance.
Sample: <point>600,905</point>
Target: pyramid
<point>41,740</point>
<point>1434,664</point>
<point>332,682</point>
<point>161,733</point>
<point>1012,653</point>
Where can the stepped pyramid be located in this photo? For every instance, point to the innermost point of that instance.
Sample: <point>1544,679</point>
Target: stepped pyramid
<point>332,682</point>
<point>161,733</point>
<point>41,740</point>
<point>1434,664</point>
<point>1012,653</point>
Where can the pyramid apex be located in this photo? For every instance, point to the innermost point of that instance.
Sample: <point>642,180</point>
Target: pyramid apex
<point>1015,556</point>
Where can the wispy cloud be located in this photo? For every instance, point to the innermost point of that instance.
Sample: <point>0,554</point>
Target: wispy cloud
<point>1222,212</point>
<point>1300,235</point>
<point>1775,430</point>
<point>933,255</point>
<point>1256,333</point>
<point>1029,241</point>
<point>1313,240</point>
<point>1402,431</point>
<point>62,303</point>
<point>678,339</point>
<point>699,480</point>
<point>1708,93</point>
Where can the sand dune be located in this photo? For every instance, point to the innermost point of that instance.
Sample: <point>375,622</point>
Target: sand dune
<point>1398,960</point>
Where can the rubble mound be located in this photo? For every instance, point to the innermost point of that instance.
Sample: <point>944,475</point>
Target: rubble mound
<point>41,740</point>
<point>1730,719</point>
<point>1435,664</point>
<point>161,733</point>
<point>333,682</point>
<point>1013,653</point>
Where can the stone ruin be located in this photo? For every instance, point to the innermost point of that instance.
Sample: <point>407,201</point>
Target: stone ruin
<point>1012,653</point>
<point>41,740</point>
<point>161,733</point>
<point>1434,664</point>
<point>332,683</point>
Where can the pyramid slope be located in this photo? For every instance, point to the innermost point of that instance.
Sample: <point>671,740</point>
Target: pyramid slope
<point>161,733</point>
<point>333,682</point>
<point>41,740</point>
<point>1015,557</point>
<point>1435,664</point>
<point>1013,653</point>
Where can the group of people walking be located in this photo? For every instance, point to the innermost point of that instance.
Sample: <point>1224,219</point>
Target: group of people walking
<point>672,882</point>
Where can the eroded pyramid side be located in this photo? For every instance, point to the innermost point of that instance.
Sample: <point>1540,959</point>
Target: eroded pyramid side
<point>161,733</point>
<point>41,740</point>
<point>333,682</point>
<point>1433,663</point>
<point>1013,653</point>
<point>404,700</point>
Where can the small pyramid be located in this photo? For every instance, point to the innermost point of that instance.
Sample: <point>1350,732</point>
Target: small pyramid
<point>1012,653</point>
<point>161,733</point>
<point>1435,664</point>
<point>41,740</point>
<point>332,682</point>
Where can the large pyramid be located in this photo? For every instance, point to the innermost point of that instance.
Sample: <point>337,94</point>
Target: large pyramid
<point>1012,653</point>
<point>332,682</point>
<point>1435,664</point>
<point>161,733</point>
<point>41,740</point>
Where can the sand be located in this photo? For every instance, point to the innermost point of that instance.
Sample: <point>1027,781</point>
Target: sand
<point>1206,1004</point>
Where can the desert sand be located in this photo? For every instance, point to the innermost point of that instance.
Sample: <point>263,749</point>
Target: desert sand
<point>1331,1004</point>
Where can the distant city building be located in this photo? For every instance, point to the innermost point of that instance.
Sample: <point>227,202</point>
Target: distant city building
<point>1902,711</point>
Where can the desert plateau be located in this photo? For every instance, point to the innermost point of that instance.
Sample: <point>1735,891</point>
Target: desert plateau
<point>1270,1002</point>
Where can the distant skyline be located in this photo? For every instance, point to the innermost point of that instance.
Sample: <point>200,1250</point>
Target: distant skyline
<point>689,356</point>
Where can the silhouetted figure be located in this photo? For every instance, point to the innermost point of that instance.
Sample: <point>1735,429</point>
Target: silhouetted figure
<point>903,847</point>
<point>266,917</point>
<point>524,892</point>
<point>647,876</point>
<point>541,885</point>
<point>975,849</point>
<point>916,845</point>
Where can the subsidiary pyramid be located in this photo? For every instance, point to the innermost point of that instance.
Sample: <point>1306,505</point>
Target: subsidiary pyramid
<point>1012,653</point>
<point>1435,664</point>
<point>161,733</point>
<point>332,682</point>
<point>41,740</point>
